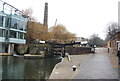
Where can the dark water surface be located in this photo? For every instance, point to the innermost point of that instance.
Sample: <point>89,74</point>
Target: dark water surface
<point>20,68</point>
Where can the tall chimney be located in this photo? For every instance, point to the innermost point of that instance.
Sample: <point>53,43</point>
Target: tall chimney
<point>46,15</point>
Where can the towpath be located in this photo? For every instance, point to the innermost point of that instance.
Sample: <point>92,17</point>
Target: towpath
<point>100,65</point>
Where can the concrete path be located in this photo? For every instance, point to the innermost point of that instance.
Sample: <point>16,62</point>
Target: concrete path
<point>63,70</point>
<point>91,66</point>
<point>98,67</point>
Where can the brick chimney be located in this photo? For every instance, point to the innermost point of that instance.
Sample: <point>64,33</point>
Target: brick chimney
<point>46,15</point>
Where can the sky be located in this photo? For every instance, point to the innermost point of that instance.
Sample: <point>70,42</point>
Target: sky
<point>81,17</point>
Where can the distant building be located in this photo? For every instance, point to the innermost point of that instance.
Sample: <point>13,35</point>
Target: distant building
<point>84,41</point>
<point>12,27</point>
<point>80,39</point>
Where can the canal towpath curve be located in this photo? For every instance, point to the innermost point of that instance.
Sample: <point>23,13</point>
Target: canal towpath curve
<point>100,65</point>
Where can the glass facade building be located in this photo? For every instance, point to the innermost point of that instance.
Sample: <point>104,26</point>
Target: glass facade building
<point>12,25</point>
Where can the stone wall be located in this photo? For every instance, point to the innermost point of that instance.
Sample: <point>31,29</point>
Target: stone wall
<point>78,50</point>
<point>40,49</point>
<point>47,51</point>
<point>21,48</point>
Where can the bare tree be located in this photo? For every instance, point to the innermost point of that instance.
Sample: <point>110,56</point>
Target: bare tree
<point>112,28</point>
<point>96,40</point>
<point>27,13</point>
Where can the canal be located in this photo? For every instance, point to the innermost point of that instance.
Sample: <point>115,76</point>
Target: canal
<point>20,68</point>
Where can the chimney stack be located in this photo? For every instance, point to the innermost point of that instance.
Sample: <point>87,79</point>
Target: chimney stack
<point>46,15</point>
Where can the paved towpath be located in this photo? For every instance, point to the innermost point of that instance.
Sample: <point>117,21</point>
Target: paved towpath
<point>98,67</point>
<point>63,70</point>
<point>92,66</point>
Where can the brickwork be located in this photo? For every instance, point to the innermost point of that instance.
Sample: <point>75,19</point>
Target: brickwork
<point>113,43</point>
<point>78,50</point>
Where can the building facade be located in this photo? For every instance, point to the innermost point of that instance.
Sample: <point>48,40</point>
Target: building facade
<point>113,43</point>
<point>12,27</point>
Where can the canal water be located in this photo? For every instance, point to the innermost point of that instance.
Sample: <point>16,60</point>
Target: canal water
<point>20,68</point>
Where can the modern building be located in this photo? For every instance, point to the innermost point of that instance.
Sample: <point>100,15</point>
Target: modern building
<point>12,27</point>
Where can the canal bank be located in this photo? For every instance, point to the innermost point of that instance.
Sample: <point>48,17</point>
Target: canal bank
<point>64,70</point>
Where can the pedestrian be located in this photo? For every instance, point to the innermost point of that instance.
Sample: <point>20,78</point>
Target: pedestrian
<point>74,67</point>
<point>108,49</point>
<point>118,54</point>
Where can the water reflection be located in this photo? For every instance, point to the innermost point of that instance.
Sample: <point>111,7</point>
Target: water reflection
<point>20,68</point>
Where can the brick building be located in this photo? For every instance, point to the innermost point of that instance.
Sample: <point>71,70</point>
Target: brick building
<point>113,43</point>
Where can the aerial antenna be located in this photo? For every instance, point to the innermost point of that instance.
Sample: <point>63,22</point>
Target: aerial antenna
<point>55,22</point>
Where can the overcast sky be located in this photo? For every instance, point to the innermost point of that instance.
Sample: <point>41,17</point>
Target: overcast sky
<point>82,17</point>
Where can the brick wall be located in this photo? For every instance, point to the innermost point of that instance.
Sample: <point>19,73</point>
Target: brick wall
<point>113,43</point>
<point>78,50</point>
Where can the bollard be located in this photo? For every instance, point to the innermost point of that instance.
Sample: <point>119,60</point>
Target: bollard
<point>74,68</point>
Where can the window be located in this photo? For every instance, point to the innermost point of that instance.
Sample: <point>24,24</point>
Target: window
<point>7,21</point>
<point>20,25</point>
<point>24,35</point>
<point>14,23</point>
<point>1,21</point>
<point>1,6</point>
<point>12,34</point>
<point>20,35</point>
<point>24,26</point>
<point>2,33</point>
